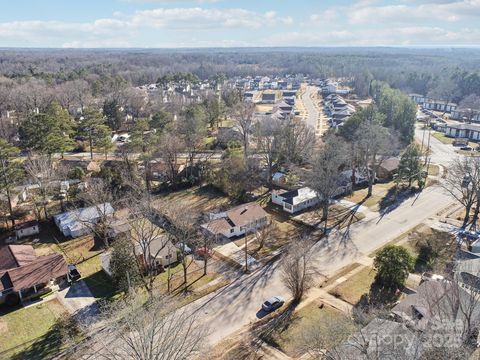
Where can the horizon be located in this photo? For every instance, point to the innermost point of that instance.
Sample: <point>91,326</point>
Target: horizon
<point>205,24</point>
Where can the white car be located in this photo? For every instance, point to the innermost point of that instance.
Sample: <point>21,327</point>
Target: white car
<point>273,303</point>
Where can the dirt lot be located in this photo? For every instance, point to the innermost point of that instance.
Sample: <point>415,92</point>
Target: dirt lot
<point>201,199</point>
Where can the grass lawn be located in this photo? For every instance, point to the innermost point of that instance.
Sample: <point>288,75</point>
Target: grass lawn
<point>29,333</point>
<point>354,287</point>
<point>311,318</point>
<point>342,272</point>
<point>378,193</point>
<point>200,199</point>
<point>442,137</point>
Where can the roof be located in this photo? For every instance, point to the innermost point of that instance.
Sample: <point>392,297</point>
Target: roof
<point>372,341</point>
<point>268,96</point>
<point>475,127</point>
<point>160,246</point>
<point>246,214</point>
<point>76,218</point>
<point>298,196</point>
<point>390,164</point>
<point>218,226</point>
<point>436,299</point>
<point>26,225</point>
<point>13,256</point>
<point>40,271</point>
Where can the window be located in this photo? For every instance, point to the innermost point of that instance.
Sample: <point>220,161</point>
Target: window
<point>231,231</point>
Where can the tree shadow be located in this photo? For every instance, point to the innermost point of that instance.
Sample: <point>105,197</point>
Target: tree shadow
<point>273,323</point>
<point>395,197</point>
<point>49,344</point>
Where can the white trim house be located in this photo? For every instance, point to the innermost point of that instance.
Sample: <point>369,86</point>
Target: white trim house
<point>295,200</point>
<point>237,221</point>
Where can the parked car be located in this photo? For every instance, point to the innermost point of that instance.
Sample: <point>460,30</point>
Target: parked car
<point>184,248</point>
<point>466,148</point>
<point>273,303</point>
<point>73,274</point>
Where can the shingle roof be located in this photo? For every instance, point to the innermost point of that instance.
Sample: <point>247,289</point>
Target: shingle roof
<point>40,271</point>
<point>13,256</point>
<point>246,214</point>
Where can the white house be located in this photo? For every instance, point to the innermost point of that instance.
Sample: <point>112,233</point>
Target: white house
<point>295,200</point>
<point>78,222</point>
<point>28,228</point>
<point>237,221</point>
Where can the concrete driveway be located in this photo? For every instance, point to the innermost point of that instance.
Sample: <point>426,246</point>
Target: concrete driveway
<point>78,300</point>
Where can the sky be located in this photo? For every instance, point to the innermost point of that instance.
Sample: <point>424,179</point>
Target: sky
<point>232,23</point>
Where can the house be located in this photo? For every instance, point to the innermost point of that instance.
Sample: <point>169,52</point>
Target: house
<point>380,339</point>
<point>466,115</point>
<point>268,98</point>
<point>157,253</point>
<point>439,105</point>
<point>419,99</point>
<point>28,228</point>
<point>463,131</point>
<point>24,275</point>
<point>227,135</point>
<point>437,300</point>
<point>387,169</point>
<point>118,228</point>
<point>237,221</point>
<point>79,222</point>
<point>295,200</point>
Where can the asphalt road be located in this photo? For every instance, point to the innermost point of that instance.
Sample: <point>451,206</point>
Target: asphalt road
<point>238,304</point>
<point>441,153</point>
<point>313,114</point>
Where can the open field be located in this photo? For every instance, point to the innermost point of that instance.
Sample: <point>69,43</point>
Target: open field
<point>200,199</point>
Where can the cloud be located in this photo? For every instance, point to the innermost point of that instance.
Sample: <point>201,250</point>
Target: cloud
<point>450,11</point>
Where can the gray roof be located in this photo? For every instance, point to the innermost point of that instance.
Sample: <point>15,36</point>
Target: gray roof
<point>372,342</point>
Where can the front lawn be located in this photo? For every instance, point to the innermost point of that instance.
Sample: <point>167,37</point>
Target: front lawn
<point>319,320</point>
<point>352,289</point>
<point>29,333</point>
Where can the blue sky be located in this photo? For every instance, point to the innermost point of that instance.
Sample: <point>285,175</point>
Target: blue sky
<point>231,23</point>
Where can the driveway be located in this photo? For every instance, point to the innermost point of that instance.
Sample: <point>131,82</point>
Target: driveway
<point>78,300</point>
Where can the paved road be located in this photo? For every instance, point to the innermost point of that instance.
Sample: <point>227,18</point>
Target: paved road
<point>442,153</point>
<point>314,116</point>
<point>236,305</point>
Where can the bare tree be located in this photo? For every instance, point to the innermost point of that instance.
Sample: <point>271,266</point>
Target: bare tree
<point>148,241</point>
<point>242,115</point>
<point>181,223</point>
<point>297,268</point>
<point>270,144</point>
<point>99,196</point>
<point>168,150</point>
<point>375,143</point>
<point>154,331</point>
<point>325,177</point>
<point>41,172</point>
<point>463,184</point>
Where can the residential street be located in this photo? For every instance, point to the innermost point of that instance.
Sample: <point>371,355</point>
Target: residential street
<point>442,154</point>
<point>232,307</point>
<point>313,112</point>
